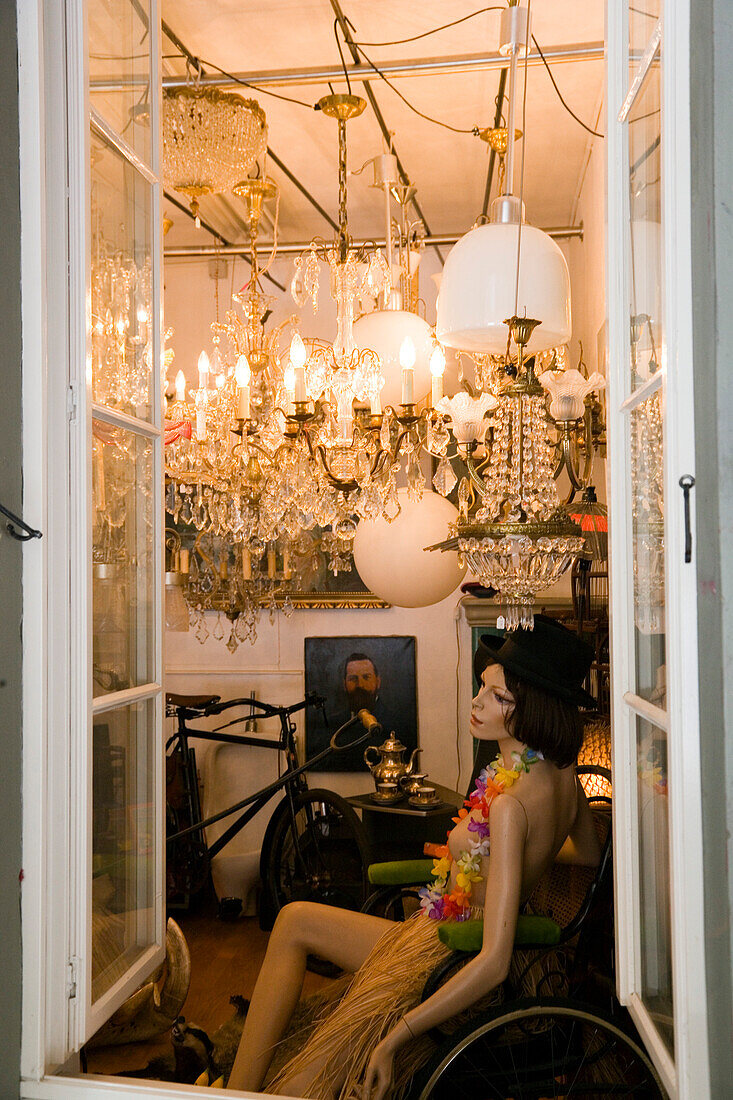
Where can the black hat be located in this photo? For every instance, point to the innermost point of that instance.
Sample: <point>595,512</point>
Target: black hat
<point>550,656</point>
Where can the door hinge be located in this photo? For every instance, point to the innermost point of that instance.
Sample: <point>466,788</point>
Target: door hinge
<point>71,402</point>
<point>72,969</point>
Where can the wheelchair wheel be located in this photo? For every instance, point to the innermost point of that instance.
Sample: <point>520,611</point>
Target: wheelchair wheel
<point>318,852</point>
<point>535,1050</point>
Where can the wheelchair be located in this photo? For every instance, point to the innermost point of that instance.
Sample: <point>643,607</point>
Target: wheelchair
<point>559,1030</point>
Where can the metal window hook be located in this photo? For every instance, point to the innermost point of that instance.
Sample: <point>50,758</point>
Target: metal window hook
<point>16,521</point>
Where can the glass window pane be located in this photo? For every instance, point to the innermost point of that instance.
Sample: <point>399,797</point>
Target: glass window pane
<point>119,56</point>
<point>121,283</point>
<point>654,886</point>
<point>643,16</point>
<point>123,849</point>
<point>124,625</point>
<point>647,506</point>
<point>645,228</point>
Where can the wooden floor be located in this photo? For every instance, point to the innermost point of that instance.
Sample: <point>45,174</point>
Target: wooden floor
<point>225,960</point>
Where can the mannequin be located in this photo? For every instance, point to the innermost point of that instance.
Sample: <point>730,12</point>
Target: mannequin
<point>527,702</point>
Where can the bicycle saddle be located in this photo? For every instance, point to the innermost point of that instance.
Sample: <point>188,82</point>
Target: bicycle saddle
<point>195,702</point>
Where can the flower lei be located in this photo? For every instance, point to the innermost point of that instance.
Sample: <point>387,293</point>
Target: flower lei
<point>435,900</point>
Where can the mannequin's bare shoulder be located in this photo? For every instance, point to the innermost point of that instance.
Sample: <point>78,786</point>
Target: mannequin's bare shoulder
<point>582,846</point>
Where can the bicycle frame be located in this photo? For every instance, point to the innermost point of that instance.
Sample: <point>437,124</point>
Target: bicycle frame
<point>292,780</point>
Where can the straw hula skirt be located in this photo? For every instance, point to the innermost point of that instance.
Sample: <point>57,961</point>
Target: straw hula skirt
<point>387,985</point>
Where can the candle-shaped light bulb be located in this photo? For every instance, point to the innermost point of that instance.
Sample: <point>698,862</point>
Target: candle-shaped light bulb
<point>298,354</point>
<point>220,380</point>
<point>298,357</point>
<point>437,370</point>
<point>242,376</point>
<point>180,386</point>
<point>407,362</point>
<point>203,369</point>
<point>142,315</point>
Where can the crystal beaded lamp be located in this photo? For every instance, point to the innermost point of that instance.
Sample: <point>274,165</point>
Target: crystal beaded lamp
<point>210,140</point>
<point>520,540</point>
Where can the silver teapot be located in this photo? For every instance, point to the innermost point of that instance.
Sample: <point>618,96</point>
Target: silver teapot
<point>390,767</point>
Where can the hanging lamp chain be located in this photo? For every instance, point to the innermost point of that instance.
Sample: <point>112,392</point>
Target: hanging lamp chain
<point>343,214</point>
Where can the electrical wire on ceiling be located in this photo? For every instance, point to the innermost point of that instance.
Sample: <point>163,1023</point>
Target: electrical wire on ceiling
<point>572,113</point>
<point>428,118</point>
<point>435,30</point>
<point>474,130</point>
<point>455,22</point>
<point>254,87</point>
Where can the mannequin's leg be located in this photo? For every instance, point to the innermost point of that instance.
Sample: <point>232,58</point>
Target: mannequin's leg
<point>301,929</point>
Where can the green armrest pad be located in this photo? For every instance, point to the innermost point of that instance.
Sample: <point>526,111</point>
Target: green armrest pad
<point>468,935</point>
<point>401,872</point>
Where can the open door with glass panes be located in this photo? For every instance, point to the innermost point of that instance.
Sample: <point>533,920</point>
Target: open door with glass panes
<point>115,263</point>
<point>657,791</point>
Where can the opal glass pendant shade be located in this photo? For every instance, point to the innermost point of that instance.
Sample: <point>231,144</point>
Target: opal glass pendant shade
<point>477,292</point>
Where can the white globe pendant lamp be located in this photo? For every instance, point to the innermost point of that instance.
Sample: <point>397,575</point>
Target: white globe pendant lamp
<point>384,331</point>
<point>479,290</point>
<point>392,560</point>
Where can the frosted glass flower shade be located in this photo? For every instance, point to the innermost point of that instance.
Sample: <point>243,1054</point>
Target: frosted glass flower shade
<point>392,560</point>
<point>477,289</point>
<point>383,332</point>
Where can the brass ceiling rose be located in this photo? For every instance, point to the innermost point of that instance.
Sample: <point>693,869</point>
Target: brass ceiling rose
<point>342,107</point>
<point>496,138</point>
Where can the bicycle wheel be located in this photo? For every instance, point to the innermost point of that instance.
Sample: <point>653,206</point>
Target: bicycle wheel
<point>317,853</point>
<point>535,1050</point>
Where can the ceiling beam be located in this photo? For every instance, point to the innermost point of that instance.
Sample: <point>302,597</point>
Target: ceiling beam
<point>334,74</point>
<point>292,248</point>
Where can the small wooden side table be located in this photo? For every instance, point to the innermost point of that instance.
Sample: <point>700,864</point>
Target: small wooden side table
<point>400,830</point>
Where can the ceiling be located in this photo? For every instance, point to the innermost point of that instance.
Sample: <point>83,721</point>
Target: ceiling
<point>449,169</point>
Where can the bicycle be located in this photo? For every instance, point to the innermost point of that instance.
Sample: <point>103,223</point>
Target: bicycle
<point>315,847</point>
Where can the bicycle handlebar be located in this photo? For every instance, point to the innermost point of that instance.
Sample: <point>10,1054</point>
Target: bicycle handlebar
<point>311,699</point>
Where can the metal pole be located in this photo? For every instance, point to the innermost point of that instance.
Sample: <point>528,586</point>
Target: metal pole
<point>182,252</point>
<point>334,74</point>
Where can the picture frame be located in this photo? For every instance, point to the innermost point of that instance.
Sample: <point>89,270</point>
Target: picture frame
<point>393,702</point>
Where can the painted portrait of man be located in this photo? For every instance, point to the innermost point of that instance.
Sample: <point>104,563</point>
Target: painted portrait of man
<point>374,674</point>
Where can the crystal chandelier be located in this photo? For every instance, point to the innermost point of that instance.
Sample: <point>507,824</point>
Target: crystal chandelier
<point>210,139</point>
<point>520,540</point>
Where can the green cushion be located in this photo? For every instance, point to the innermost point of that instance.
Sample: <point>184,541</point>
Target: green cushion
<point>401,872</point>
<point>468,935</point>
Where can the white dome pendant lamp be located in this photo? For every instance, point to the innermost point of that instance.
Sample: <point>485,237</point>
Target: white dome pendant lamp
<point>479,289</point>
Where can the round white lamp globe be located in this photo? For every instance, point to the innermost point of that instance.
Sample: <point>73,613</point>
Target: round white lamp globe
<point>391,558</point>
<point>384,331</point>
<point>477,289</point>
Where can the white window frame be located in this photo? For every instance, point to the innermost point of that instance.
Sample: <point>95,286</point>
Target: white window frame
<point>687,1075</point>
<point>54,128</point>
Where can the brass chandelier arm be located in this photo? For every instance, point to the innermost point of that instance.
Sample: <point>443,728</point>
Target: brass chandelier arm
<point>476,480</point>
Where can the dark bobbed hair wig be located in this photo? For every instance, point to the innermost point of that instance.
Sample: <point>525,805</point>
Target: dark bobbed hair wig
<point>540,720</point>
